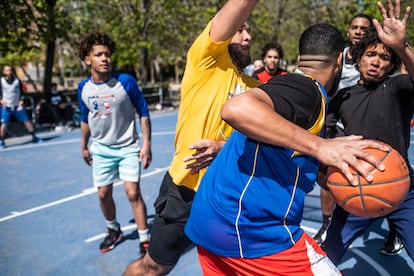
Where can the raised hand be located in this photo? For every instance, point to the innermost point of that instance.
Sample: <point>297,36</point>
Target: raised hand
<point>393,31</point>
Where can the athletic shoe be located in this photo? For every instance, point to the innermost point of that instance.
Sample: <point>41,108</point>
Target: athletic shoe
<point>37,139</point>
<point>320,237</point>
<point>143,248</point>
<point>111,240</point>
<point>2,144</point>
<point>392,245</point>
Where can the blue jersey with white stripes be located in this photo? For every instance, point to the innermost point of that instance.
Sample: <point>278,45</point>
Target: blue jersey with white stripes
<point>250,201</point>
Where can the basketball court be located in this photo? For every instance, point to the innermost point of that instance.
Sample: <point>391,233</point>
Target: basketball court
<point>51,223</point>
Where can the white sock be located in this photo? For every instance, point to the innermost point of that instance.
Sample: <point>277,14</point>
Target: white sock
<point>112,224</point>
<point>143,235</point>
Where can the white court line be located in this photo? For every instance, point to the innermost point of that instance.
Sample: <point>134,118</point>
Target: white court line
<point>44,144</point>
<point>85,192</point>
<point>381,271</point>
<point>309,230</point>
<point>134,226</point>
<point>103,235</point>
<point>69,141</point>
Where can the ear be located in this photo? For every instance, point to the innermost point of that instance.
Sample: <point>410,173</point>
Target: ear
<point>340,59</point>
<point>87,60</point>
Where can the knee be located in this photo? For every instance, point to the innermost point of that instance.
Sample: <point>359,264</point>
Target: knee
<point>133,195</point>
<point>104,194</point>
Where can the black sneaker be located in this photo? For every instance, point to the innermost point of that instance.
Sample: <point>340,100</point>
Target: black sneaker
<point>392,245</point>
<point>143,248</point>
<point>111,240</point>
<point>320,237</point>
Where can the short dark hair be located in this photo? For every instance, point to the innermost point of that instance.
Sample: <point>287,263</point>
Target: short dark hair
<point>372,39</point>
<point>95,38</point>
<point>321,39</point>
<point>362,15</point>
<point>272,46</point>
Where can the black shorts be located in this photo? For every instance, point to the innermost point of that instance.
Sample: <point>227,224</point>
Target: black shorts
<point>172,208</point>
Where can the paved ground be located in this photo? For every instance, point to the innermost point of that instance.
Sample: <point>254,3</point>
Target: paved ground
<point>51,224</point>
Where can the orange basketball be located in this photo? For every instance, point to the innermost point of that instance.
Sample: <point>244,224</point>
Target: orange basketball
<point>378,197</point>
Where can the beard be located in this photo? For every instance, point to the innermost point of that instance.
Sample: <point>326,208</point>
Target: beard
<point>240,55</point>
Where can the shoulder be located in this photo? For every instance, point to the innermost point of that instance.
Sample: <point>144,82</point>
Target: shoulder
<point>259,71</point>
<point>82,84</point>
<point>292,86</point>
<point>344,91</point>
<point>123,77</point>
<point>281,71</point>
<point>206,52</point>
<point>292,79</point>
<point>127,81</point>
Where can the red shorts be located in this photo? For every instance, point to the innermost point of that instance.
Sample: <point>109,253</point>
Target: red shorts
<point>306,257</point>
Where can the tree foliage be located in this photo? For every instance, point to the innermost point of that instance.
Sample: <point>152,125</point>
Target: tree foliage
<point>153,36</point>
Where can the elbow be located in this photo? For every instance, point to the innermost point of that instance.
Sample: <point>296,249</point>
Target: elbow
<point>229,111</point>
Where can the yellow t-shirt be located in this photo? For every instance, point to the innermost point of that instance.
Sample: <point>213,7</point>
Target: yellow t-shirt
<point>209,80</point>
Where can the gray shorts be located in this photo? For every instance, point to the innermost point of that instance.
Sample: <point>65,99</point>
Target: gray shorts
<point>168,240</point>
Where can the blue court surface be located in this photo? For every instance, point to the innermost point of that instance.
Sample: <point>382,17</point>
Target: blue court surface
<point>51,223</point>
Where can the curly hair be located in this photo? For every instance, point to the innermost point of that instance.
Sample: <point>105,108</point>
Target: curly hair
<point>372,39</point>
<point>272,46</point>
<point>95,38</point>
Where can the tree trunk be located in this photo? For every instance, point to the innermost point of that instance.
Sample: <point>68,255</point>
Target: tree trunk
<point>50,57</point>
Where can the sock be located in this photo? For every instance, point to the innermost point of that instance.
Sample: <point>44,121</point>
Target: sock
<point>112,224</point>
<point>326,220</point>
<point>143,235</point>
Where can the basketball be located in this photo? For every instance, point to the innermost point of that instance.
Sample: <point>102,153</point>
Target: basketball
<point>378,197</point>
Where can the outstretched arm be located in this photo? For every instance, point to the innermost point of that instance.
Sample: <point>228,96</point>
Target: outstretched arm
<point>230,18</point>
<point>225,25</point>
<point>393,32</point>
<point>269,127</point>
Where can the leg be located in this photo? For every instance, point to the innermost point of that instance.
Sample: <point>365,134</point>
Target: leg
<point>392,243</point>
<point>21,116</point>
<point>168,240</point>
<point>104,168</point>
<point>342,231</point>
<point>129,172</point>
<point>109,211</point>
<point>327,206</point>
<point>5,119</point>
<point>106,202</point>
<point>3,129</point>
<point>29,126</point>
<point>403,221</point>
<point>139,209</point>
<point>56,114</point>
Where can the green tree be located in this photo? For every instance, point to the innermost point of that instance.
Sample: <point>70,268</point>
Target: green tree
<point>29,28</point>
<point>153,36</point>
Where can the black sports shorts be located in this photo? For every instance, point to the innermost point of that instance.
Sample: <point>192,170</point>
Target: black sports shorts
<point>172,208</point>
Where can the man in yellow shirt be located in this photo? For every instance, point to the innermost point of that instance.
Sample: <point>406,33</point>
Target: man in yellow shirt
<point>213,74</point>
